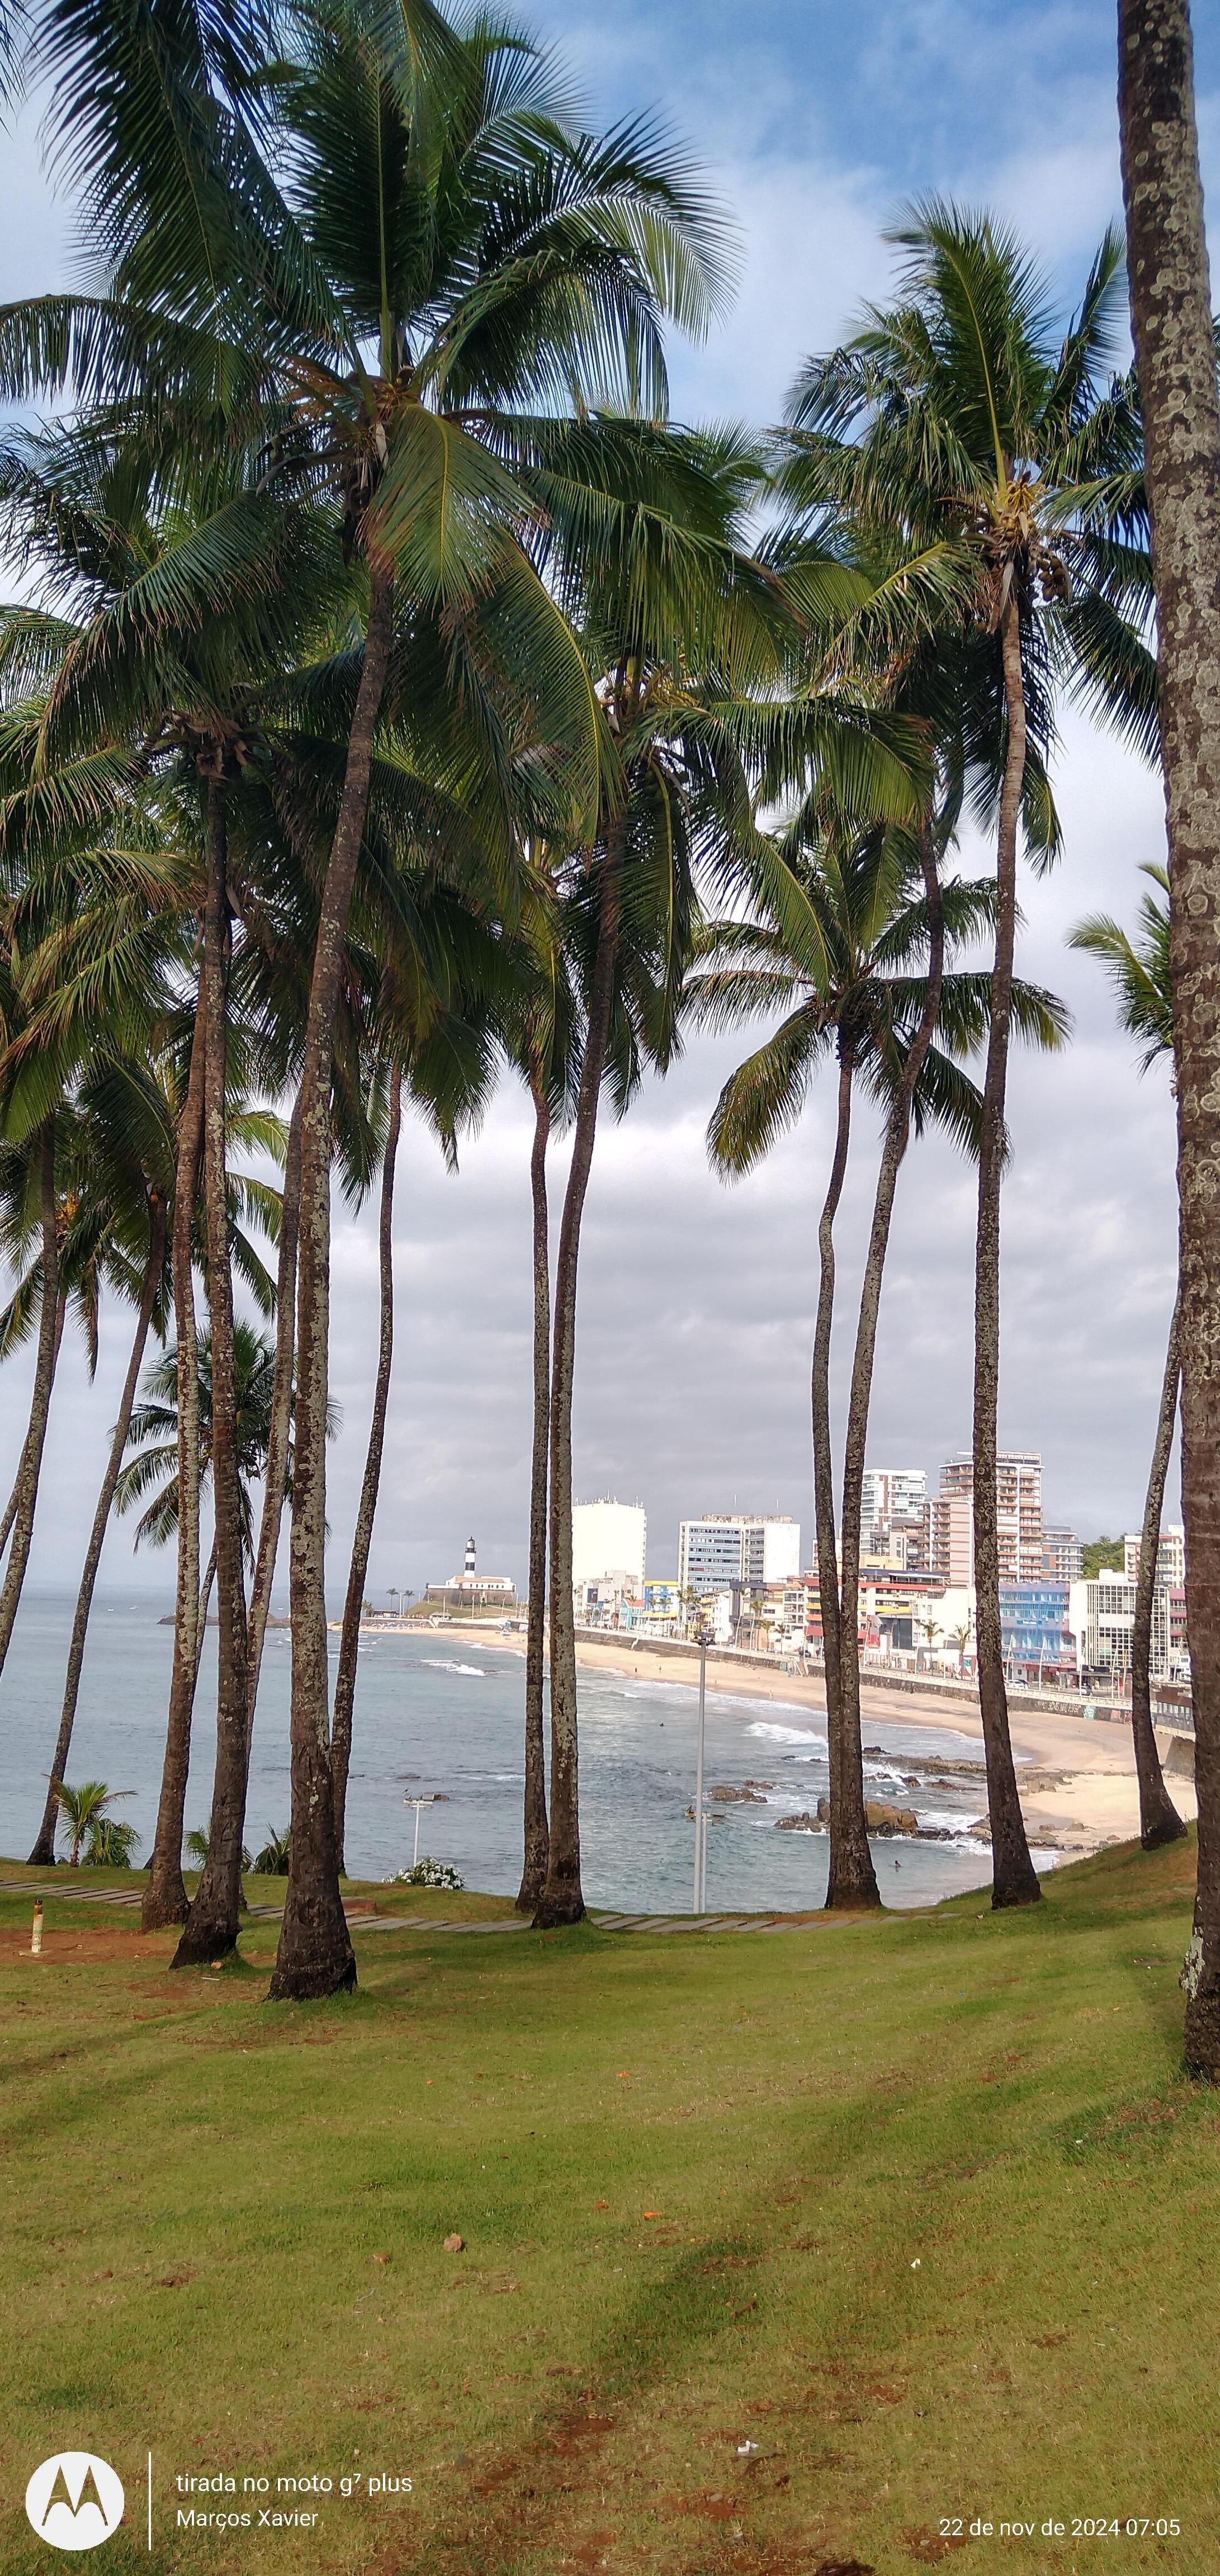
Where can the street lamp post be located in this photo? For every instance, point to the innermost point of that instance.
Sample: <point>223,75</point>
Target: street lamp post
<point>699,1906</point>
<point>428,1801</point>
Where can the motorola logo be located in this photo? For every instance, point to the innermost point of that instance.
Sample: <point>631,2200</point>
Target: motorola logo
<point>75,2500</point>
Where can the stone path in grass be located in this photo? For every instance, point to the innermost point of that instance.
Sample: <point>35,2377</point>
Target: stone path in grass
<point>74,1895</point>
<point>598,1915</point>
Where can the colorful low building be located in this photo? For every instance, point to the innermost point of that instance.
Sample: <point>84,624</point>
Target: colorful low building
<point>1036,1630</point>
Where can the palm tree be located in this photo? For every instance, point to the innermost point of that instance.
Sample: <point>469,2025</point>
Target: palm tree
<point>1175,355</point>
<point>153,1479</point>
<point>84,1814</point>
<point>127,1106</point>
<point>197,1843</point>
<point>150,1478</point>
<point>349,1642</point>
<point>1139,971</point>
<point>512,261</point>
<point>960,1637</point>
<point>193,588</point>
<point>536,1831</point>
<point>958,424</point>
<point>428,1026</point>
<point>60,1186</point>
<point>680,626</point>
<point>274,1858</point>
<point>95,952</point>
<point>844,922</point>
<point>930,1630</point>
<point>19,1517</point>
<point>540,1037</point>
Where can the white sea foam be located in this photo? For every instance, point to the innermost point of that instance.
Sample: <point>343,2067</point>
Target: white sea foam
<point>786,1734</point>
<point>437,1664</point>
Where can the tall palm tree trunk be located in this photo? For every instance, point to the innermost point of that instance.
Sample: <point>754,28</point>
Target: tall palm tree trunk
<point>165,1897</point>
<point>205,1597</point>
<point>43,1853</point>
<point>536,1828</point>
<point>315,1955</point>
<point>1176,358</point>
<point>852,1879</point>
<point>211,1926</point>
<point>1159,1818</point>
<point>561,1900</point>
<point>9,1514</point>
<point>279,1427</point>
<point>50,1326</point>
<point>823,1461</point>
<point>349,1643</point>
<point>1014,1880</point>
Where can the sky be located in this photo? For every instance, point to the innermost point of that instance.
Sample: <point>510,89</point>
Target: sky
<point>815,124</point>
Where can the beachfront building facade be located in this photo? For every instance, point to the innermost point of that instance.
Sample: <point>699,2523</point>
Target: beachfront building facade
<point>909,1614</point>
<point>1062,1555</point>
<point>609,1538</point>
<point>1101,1616</point>
<point>612,1600</point>
<point>1170,1557</point>
<point>950,1539</point>
<point>1018,1516</point>
<point>893,1514</point>
<point>1038,1641</point>
<point>744,1550</point>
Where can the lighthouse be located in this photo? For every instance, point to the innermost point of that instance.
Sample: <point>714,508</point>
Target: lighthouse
<point>471,1590</point>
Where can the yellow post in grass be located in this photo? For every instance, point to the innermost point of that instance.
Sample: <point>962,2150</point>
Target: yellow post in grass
<point>36,1934</point>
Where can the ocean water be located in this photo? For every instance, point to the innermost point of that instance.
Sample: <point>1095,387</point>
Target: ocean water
<point>432,1715</point>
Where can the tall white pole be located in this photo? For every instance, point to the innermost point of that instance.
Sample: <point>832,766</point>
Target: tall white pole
<point>415,1854</point>
<point>700,1872</point>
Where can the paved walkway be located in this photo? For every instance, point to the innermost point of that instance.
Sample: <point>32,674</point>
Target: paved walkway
<point>603,1920</point>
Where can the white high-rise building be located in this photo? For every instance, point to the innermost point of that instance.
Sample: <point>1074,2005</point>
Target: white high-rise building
<point>892,1494</point>
<point>746,1548</point>
<point>608,1538</point>
<point>893,1504</point>
<point>1170,1556</point>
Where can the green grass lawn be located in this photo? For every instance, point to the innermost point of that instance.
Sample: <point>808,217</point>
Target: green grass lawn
<point>922,2210</point>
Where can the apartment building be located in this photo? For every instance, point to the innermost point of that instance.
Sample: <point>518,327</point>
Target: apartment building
<point>609,1538</point>
<point>1170,1557</point>
<point>746,1549</point>
<point>1062,1555</point>
<point>892,1514</point>
<point>1037,1637</point>
<point>1018,1511</point>
<point>1101,1616</point>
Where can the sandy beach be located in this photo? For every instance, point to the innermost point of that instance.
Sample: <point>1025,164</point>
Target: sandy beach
<point>1093,1801</point>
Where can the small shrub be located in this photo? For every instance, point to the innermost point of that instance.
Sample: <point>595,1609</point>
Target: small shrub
<point>428,1873</point>
<point>198,1844</point>
<point>110,1845</point>
<point>83,1813</point>
<point>272,1860</point>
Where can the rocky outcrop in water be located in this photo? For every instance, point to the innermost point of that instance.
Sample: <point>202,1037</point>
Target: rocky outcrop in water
<point>879,1819</point>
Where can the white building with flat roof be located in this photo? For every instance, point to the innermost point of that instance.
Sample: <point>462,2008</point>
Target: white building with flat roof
<point>608,1538</point>
<point>1170,1556</point>
<point>749,1549</point>
<point>891,1494</point>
